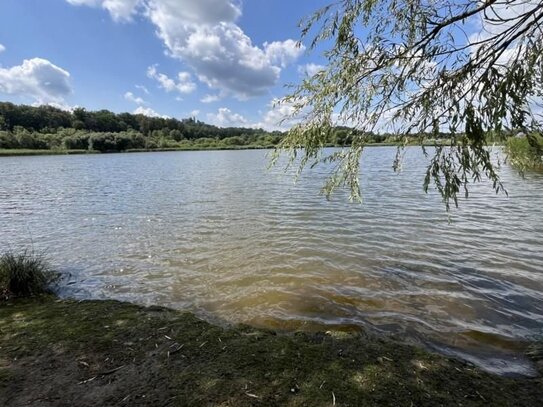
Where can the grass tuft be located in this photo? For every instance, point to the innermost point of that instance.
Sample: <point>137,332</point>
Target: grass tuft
<point>25,274</point>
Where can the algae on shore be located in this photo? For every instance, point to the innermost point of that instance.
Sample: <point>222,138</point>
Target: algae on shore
<point>65,353</point>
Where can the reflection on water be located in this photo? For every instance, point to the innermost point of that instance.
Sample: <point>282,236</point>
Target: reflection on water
<point>215,233</point>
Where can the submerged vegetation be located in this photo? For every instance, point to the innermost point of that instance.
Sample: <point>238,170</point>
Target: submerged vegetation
<point>86,353</point>
<point>24,274</point>
<point>110,353</point>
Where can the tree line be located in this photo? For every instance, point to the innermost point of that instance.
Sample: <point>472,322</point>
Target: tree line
<point>47,127</point>
<point>50,128</point>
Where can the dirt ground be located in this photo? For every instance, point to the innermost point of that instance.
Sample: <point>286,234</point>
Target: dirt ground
<point>106,353</point>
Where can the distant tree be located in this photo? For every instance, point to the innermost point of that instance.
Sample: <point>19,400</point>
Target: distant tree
<point>48,127</point>
<point>79,116</point>
<point>233,141</point>
<point>143,124</point>
<point>176,135</point>
<point>27,140</point>
<point>76,141</point>
<point>8,140</point>
<point>411,67</point>
<point>103,142</point>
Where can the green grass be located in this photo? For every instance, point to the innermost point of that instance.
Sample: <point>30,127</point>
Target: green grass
<point>22,152</point>
<point>195,147</point>
<point>525,153</point>
<point>57,352</point>
<point>24,274</point>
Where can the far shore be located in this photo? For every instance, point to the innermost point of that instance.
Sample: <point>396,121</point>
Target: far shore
<point>28,152</point>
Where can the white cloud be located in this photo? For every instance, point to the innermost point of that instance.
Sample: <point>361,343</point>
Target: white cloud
<point>205,36</point>
<point>92,3</point>
<point>184,83</point>
<point>194,113</point>
<point>226,118</point>
<point>2,48</point>
<point>210,98</point>
<point>165,13</point>
<point>58,105</point>
<point>133,98</point>
<point>36,78</point>
<point>147,111</point>
<point>283,52</point>
<point>119,9</point>
<point>279,116</point>
<point>500,17</point>
<point>310,69</point>
<point>143,89</point>
<point>225,58</point>
<point>503,15</point>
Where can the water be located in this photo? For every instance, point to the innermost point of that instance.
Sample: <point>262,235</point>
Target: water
<point>217,234</point>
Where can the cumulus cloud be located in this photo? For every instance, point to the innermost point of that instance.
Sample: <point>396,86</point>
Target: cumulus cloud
<point>501,16</point>
<point>2,48</point>
<point>184,83</point>
<point>119,9</point>
<point>147,111</point>
<point>279,116</point>
<point>225,58</point>
<point>205,36</point>
<point>283,52</point>
<point>166,13</point>
<point>36,78</point>
<point>310,69</point>
<point>133,98</point>
<point>58,105</point>
<point>226,118</point>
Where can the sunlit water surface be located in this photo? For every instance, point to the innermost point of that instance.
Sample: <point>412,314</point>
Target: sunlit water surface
<point>218,234</point>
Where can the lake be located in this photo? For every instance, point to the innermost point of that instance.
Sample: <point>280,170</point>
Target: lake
<point>218,234</point>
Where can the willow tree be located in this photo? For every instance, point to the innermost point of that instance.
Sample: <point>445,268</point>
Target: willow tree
<point>420,67</point>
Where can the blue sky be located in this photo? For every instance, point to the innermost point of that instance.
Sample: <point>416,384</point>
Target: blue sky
<point>223,61</point>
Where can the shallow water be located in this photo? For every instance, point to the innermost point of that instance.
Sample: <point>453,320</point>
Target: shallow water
<point>217,234</point>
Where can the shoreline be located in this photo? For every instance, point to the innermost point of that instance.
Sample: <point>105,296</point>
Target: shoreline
<point>114,353</point>
<point>22,152</point>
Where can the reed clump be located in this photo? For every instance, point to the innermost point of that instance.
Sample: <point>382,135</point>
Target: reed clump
<point>25,274</point>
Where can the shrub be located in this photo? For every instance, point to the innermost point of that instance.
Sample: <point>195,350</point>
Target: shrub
<point>77,141</point>
<point>233,141</point>
<point>24,274</point>
<point>103,142</point>
<point>8,140</point>
<point>525,152</point>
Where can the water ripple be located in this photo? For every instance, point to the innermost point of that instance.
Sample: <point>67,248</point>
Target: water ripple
<point>215,233</point>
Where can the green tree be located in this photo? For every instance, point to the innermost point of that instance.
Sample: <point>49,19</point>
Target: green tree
<point>410,68</point>
<point>176,135</point>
